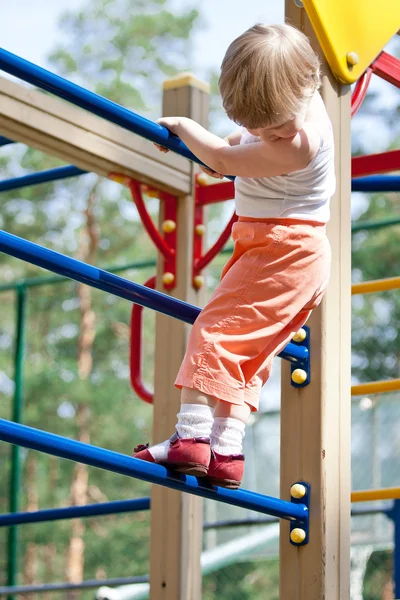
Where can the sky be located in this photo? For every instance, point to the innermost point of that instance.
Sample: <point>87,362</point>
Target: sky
<point>29,28</point>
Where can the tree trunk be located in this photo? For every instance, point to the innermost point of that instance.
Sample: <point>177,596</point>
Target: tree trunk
<point>79,485</point>
<point>49,553</point>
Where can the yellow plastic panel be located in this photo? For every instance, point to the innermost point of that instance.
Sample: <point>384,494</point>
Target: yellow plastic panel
<point>353,31</point>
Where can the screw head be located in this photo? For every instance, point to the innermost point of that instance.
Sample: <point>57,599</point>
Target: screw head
<point>168,226</point>
<point>200,229</point>
<point>299,376</point>
<point>202,179</point>
<point>352,59</point>
<point>198,281</point>
<point>168,278</point>
<point>300,336</point>
<point>298,491</point>
<point>298,535</point>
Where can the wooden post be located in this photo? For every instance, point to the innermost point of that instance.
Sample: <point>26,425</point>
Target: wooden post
<point>176,519</point>
<point>315,420</point>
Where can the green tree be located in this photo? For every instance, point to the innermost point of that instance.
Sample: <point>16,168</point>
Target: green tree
<point>77,368</point>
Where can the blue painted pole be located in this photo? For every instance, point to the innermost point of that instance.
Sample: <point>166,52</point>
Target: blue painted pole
<point>27,71</point>
<point>376,183</point>
<point>75,512</point>
<point>41,177</point>
<point>5,141</point>
<point>103,280</point>
<point>14,433</point>
<point>58,587</point>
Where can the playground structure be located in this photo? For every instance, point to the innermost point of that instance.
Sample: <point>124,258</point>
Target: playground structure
<point>315,457</point>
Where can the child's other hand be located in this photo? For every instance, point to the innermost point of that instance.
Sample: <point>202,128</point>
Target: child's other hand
<point>161,148</point>
<point>211,173</point>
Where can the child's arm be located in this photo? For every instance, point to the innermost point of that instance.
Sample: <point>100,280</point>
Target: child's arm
<point>259,159</point>
<point>234,138</point>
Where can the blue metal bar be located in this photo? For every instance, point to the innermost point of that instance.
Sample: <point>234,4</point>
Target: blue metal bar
<point>362,511</point>
<point>5,141</point>
<point>135,505</point>
<point>27,71</point>
<point>58,587</point>
<point>103,280</point>
<point>376,183</point>
<point>57,445</point>
<point>41,177</point>
<point>75,512</point>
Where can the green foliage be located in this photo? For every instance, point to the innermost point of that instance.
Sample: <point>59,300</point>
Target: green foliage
<point>376,317</point>
<point>142,43</point>
<point>244,581</point>
<point>378,575</point>
<point>122,49</point>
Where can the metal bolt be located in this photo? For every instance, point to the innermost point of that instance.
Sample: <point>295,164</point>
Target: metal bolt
<point>352,59</point>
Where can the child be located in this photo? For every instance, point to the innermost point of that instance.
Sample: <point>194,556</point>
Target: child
<point>283,160</point>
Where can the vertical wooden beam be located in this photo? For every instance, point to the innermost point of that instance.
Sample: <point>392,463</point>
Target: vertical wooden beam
<point>315,420</point>
<point>176,519</point>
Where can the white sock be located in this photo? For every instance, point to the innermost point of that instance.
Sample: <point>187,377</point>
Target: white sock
<point>194,420</point>
<point>227,435</point>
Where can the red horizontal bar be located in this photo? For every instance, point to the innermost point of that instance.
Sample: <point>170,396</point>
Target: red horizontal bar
<point>375,163</point>
<point>387,67</point>
<point>217,192</point>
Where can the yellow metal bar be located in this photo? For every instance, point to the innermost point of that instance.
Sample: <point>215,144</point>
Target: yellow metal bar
<point>377,285</point>
<point>375,387</point>
<point>383,494</point>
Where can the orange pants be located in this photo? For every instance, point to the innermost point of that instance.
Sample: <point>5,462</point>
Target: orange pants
<point>276,276</point>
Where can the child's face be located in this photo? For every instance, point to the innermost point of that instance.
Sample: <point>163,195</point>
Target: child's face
<point>287,129</point>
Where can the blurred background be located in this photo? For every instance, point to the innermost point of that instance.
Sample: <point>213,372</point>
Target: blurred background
<point>124,50</point>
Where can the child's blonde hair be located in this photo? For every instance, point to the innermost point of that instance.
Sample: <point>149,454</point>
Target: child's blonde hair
<point>268,75</point>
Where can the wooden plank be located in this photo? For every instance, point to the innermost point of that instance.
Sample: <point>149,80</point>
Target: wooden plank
<point>315,420</point>
<point>176,519</point>
<point>89,142</point>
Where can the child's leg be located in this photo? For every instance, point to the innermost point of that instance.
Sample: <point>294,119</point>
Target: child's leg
<point>188,450</point>
<point>227,461</point>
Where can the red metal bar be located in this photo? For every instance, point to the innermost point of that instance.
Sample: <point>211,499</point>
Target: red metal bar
<point>360,91</point>
<point>170,236</point>
<point>217,192</point>
<point>203,261</point>
<point>136,349</point>
<point>147,221</point>
<point>375,163</point>
<point>387,67</point>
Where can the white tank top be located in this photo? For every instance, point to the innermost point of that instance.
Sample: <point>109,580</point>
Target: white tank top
<point>303,194</point>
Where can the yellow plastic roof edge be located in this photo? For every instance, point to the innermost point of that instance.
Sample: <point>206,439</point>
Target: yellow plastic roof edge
<point>341,70</point>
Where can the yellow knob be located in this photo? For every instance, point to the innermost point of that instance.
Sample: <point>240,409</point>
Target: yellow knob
<point>198,281</point>
<point>299,376</point>
<point>168,278</point>
<point>298,490</point>
<point>202,179</point>
<point>200,229</point>
<point>352,59</point>
<point>151,193</point>
<point>300,336</point>
<point>118,178</point>
<point>298,535</point>
<point>168,226</point>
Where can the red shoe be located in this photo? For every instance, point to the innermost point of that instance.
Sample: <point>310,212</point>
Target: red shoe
<point>226,471</point>
<point>185,455</point>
